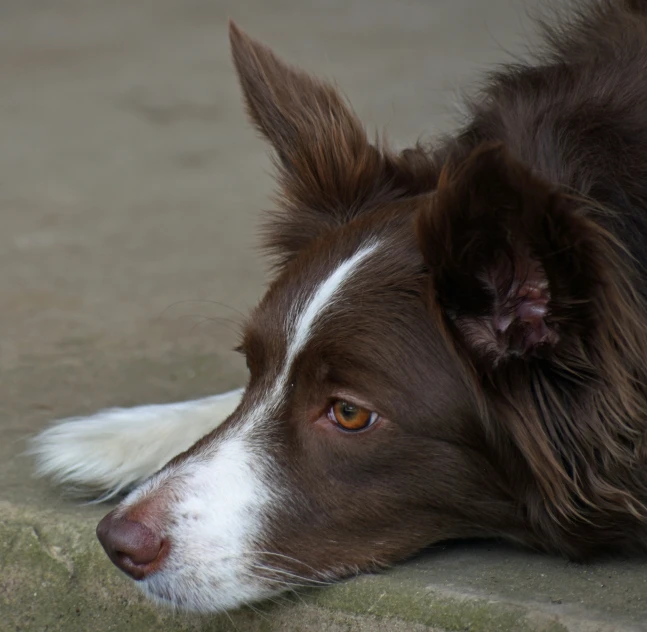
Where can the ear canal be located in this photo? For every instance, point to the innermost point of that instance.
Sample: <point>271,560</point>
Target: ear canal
<point>507,256</point>
<point>520,306</point>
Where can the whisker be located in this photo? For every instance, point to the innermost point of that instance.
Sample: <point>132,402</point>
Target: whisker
<point>213,319</point>
<point>309,581</point>
<point>257,611</point>
<point>295,593</point>
<point>286,557</point>
<point>219,319</point>
<point>287,586</point>
<point>231,620</point>
<point>197,300</point>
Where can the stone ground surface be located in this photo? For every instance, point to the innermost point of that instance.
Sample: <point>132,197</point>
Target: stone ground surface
<point>130,188</point>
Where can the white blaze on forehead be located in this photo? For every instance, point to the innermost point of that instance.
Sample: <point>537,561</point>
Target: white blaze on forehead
<point>320,301</point>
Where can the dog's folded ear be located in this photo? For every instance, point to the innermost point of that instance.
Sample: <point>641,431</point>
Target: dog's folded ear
<point>329,172</point>
<point>512,260</point>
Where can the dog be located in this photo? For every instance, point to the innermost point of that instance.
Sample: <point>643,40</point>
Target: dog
<point>454,344</point>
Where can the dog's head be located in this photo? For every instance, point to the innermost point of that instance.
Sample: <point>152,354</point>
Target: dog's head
<point>406,293</point>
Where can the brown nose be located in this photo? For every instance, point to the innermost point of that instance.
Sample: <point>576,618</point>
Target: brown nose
<point>132,546</point>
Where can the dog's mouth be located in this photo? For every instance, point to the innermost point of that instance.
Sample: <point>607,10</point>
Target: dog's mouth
<point>161,594</point>
<point>201,590</point>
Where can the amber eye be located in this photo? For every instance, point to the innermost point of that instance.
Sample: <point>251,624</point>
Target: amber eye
<point>350,416</point>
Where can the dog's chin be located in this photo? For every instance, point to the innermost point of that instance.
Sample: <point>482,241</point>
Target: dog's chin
<point>204,596</point>
<point>163,599</point>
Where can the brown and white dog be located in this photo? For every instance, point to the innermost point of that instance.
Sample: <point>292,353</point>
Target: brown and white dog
<point>455,343</point>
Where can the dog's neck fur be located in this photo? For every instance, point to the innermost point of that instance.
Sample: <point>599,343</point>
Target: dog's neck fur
<point>579,417</point>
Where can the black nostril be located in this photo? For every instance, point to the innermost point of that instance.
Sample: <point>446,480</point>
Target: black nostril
<point>132,546</point>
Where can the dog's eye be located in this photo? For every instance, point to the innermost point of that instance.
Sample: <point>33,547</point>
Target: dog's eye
<point>351,417</point>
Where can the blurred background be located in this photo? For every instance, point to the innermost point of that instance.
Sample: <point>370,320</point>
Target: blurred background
<point>131,184</point>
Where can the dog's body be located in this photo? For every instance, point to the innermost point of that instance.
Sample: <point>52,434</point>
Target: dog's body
<point>454,344</point>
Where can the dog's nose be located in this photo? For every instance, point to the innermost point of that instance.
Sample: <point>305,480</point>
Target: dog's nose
<point>132,546</point>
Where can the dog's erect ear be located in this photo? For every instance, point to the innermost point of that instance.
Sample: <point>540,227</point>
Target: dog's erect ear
<point>328,170</point>
<point>303,118</point>
<point>512,266</point>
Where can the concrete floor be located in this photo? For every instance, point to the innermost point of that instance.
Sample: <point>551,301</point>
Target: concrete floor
<point>130,191</point>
